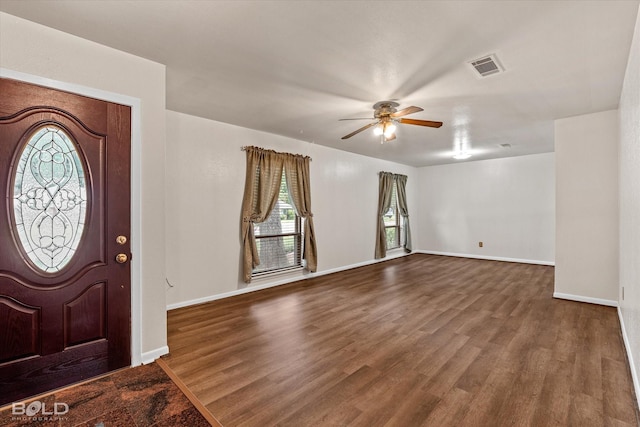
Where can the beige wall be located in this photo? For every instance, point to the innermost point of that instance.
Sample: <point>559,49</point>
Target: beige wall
<point>205,182</point>
<point>27,47</point>
<point>507,204</point>
<point>630,207</point>
<point>587,208</point>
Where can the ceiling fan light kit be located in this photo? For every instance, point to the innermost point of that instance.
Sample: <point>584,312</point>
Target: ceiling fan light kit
<point>387,115</point>
<point>386,128</point>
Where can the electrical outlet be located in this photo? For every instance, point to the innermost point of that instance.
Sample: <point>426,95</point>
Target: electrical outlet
<point>480,244</point>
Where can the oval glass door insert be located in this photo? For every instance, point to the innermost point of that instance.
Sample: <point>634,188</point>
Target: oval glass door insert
<point>49,198</point>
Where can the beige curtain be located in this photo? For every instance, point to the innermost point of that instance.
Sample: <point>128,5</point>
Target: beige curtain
<point>384,201</point>
<point>261,190</point>
<point>296,170</point>
<point>401,191</point>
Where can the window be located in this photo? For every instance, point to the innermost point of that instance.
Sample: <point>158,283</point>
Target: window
<point>393,222</point>
<point>392,229</point>
<point>279,238</point>
<point>49,199</point>
<point>272,238</point>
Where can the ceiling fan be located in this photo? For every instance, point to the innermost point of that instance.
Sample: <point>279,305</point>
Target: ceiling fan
<point>386,115</point>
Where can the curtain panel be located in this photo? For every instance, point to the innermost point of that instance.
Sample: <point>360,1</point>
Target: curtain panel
<point>261,190</point>
<point>401,192</point>
<point>387,180</point>
<point>384,202</point>
<point>296,170</point>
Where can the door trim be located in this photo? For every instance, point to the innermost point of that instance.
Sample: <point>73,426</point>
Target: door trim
<point>136,211</point>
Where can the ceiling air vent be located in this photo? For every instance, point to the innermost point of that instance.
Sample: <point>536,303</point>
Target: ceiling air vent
<point>487,65</point>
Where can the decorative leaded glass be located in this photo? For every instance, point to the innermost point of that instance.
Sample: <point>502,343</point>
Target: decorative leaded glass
<point>49,198</point>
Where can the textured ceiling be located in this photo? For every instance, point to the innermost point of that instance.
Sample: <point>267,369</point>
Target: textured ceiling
<point>294,68</point>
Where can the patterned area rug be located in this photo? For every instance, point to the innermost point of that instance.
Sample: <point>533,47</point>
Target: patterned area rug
<point>135,397</point>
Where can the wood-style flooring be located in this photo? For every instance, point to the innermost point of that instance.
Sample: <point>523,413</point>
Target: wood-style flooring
<point>421,340</point>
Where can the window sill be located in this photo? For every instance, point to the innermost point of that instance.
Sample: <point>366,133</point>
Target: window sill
<point>397,252</point>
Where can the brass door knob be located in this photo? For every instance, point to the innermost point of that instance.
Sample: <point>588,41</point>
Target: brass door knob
<point>121,258</point>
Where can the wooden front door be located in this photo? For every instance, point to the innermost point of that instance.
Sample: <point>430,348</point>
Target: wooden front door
<point>65,310</point>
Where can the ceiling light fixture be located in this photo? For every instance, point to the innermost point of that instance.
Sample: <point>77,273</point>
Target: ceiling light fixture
<point>389,129</point>
<point>386,128</point>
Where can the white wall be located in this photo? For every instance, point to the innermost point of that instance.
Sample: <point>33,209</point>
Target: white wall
<point>508,204</point>
<point>31,48</point>
<point>629,175</point>
<point>205,182</point>
<point>587,208</point>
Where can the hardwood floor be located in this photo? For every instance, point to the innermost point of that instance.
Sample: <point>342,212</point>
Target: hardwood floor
<point>421,340</point>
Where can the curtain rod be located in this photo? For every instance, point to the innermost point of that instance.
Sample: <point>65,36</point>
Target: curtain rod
<point>244,148</point>
<point>391,173</point>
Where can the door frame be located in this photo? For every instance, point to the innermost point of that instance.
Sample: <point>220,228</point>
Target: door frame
<point>136,211</point>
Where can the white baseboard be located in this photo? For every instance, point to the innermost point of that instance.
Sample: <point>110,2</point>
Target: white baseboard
<point>150,356</point>
<point>283,281</point>
<point>487,257</point>
<point>632,365</point>
<point>580,298</point>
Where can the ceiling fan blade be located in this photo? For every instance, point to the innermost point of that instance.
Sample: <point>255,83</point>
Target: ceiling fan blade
<point>360,130</point>
<point>405,111</point>
<point>358,118</point>
<point>427,123</point>
<point>391,138</point>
